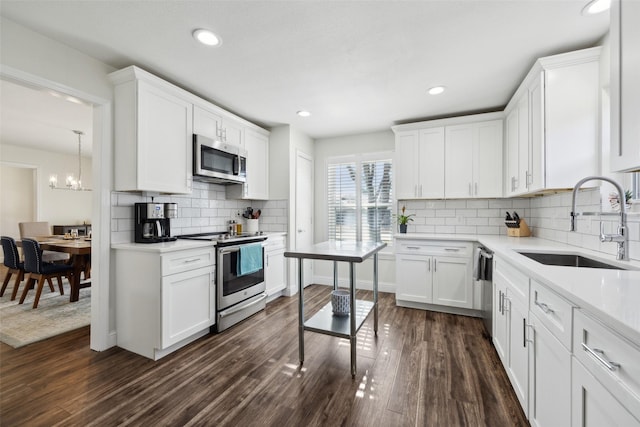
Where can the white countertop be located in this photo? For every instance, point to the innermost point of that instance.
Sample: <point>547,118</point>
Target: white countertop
<point>337,251</point>
<point>613,296</point>
<point>176,245</point>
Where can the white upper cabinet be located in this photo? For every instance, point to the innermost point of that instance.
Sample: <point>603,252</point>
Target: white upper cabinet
<point>420,164</point>
<point>209,121</point>
<point>473,154</point>
<point>206,122</point>
<point>257,185</point>
<point>459,157</point>
<point>153,128</point>
<point>552,124</point>
<point>625,85</point>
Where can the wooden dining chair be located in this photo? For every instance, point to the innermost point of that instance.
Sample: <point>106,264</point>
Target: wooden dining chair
<point>13,264</point>
<point>40,271</point>
<point>39,229</point>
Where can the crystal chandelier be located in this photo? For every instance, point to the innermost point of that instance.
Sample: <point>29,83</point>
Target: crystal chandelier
<point>71,183</point>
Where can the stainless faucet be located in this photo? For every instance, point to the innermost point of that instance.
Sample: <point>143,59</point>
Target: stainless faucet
<point>621,238</point>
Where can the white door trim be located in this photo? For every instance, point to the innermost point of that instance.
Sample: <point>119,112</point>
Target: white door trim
<point>102,337</point>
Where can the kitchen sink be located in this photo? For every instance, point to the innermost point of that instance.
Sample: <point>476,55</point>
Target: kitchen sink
<point>568,260</point>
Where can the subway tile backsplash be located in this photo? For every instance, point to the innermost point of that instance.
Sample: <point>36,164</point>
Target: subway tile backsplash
<point>205,210</point>
<point>547,216</point>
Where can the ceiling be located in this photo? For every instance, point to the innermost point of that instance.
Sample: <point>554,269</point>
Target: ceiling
<point>357,66</point>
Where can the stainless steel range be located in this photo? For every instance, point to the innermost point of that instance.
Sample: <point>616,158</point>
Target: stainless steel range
<point>240,291</point>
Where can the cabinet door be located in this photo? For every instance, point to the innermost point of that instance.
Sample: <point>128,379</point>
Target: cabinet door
<point>452,284</point>
<point>549,369</point>
<point>458,161</point>
<point>188,304</point>
<point>500,325</point>
<point>233,132</point>
<point>164,141</point>
<point>413,278</point>
<point>625,85</point>
<point>534,176</point>
<point>512,146</point>
<point>431,163</point>
<point>523,144</point>
<point>487,159</point>
<point>405,168</point>
<point>206,123</point>
<point>518,354</point>
<point>592,405</point>
<point>257,146</point>
<point>274,271</point>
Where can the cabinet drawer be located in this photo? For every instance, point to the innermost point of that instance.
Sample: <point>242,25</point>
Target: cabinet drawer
<point>177,262</point>
<point>517,280</point>
<point>552,310</point>
<point>434,247</point>
<point>613,360</point>
<point>275,243</point>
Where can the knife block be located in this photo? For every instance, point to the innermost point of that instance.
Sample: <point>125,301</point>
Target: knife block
<point>522,231</point>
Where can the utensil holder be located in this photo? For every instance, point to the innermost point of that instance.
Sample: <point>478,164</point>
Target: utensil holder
<point>252,226</point>
<point>340,302</point>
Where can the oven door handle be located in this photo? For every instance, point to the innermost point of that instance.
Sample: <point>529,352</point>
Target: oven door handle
<point>241,306</point>
<point>236,248</point>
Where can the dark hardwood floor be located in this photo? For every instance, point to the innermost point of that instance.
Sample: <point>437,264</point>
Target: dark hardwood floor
<point>423,369</point>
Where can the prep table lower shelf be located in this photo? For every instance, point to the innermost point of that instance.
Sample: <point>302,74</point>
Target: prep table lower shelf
<point>324,322</point>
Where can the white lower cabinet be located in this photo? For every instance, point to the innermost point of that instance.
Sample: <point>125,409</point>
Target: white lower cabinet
<point>163,300</point>
<point>275,271</point>
<point>606,376</point>
<point>510,320</point>
<point>566,368</point>
<point>549,378</point>
<point>434,272</point>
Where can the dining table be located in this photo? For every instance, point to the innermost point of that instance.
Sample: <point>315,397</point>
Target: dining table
<point>80,250</point>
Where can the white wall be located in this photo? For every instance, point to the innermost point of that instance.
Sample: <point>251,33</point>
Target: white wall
<point>17,202</point>
<point>55,206</point>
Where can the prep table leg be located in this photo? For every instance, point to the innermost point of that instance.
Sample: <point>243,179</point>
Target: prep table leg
<point>335,275</point>
<point>300,312</point>
<point>352,298</point>
<point>375,293</point>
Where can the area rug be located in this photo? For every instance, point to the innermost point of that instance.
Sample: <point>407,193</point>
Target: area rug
<point>21,325</point>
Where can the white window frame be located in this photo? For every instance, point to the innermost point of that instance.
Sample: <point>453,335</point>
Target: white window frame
<point>359,159</point>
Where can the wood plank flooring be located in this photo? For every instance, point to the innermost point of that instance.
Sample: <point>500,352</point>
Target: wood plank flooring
<point>423,369</point>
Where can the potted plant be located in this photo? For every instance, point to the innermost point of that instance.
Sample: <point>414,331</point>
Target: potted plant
<point>403,220</point>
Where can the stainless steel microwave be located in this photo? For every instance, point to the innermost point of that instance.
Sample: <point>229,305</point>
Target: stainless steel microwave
<point>218,162</point>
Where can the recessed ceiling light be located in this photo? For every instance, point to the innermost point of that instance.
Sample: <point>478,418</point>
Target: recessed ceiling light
<point>207,37</point>
<point>436,90</point>
<point>596,6</point>
<point>303,113</point>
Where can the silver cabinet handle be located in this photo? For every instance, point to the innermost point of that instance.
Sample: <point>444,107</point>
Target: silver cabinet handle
<point>435,265</point>
<point>189,261</point>
<point>415,190</point>
<point>599,355</point>
<point>420,190</point>
<point>476,188</point>
<point>470,193</point>
<point>414,248</point>
<point>544,307</point>
<point>501,302</point>
<point>452,249</point>
<point>429,268</point>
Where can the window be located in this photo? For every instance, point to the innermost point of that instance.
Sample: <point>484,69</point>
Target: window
<point>359,198</point>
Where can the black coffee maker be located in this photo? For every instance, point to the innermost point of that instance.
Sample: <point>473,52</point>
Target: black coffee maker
<point>152,222</point>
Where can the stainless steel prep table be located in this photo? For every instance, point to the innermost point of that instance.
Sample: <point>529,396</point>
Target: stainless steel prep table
<point>324,322</point>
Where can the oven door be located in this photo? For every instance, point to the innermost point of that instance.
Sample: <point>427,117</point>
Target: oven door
<point>232,288</point>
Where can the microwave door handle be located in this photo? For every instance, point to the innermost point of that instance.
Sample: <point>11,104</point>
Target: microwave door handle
<point>236,165</point>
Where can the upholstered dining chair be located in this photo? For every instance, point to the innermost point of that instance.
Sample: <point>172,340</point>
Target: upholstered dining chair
<point>13,264</point>
<point>40,271</point>
<point>37,229</point>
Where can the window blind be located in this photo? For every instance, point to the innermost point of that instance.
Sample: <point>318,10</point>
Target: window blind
<point>360,199</point>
